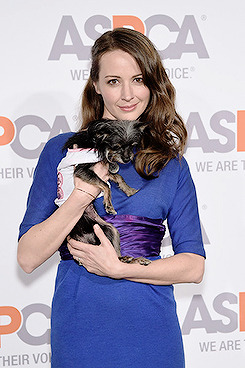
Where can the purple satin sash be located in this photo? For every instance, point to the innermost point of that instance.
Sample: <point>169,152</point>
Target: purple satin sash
<point>139,236</point>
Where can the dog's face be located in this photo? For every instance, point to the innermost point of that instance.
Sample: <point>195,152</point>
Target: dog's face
<point>116,140</point>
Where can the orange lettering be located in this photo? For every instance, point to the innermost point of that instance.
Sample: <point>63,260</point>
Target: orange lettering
<point>128,20</point>
<point>242,310</point>
<point>15,322</point>
<point>241,131</point>
<point>9,130</point>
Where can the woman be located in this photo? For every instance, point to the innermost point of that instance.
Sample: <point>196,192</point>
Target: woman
<point>127,318</point>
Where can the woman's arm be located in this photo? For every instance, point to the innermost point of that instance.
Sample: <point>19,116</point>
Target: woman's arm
<point>180,268</point>
<point>41,241</point>
<point>103,261</point>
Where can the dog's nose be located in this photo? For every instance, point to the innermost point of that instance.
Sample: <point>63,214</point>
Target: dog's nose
<point>127,155</point>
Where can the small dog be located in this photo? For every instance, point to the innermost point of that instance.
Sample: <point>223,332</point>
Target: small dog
<point>115,141</point>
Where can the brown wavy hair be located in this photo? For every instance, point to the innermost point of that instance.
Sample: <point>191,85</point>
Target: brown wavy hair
<point>165,136</point>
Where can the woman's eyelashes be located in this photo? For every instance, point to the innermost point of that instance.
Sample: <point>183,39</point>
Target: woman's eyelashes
<point>139,80</point>
<point>114,81</point>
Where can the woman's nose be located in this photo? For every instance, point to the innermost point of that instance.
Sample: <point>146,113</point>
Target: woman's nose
<point>127,92</point>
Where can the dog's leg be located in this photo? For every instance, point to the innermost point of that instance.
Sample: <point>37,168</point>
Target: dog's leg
<point>141,260</point>
<point>85,173</point>
<point>83,230</point>
<point>110,231</point>
<point>118,179</point>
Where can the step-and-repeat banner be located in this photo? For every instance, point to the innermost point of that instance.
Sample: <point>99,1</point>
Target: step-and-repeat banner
<point>44,64</point>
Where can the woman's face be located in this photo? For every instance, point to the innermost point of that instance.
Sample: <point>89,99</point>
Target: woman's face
<point>121,85</point>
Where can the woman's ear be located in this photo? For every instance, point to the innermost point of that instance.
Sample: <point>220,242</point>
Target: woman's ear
<point>96,87</point>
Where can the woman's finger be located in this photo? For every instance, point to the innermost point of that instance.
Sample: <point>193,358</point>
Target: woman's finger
<point>77,245</point>
<point>101,235</point>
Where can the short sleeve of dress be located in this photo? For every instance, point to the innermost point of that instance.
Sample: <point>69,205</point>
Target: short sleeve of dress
<point>43,191</point>
<point>183,217</point>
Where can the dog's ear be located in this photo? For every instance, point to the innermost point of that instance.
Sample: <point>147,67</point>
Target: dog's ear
<point>96,126</point>
<point>98,138</point>
<point>98,131</point>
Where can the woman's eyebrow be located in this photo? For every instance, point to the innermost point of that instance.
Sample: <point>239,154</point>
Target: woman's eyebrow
<point>112,76</point>
<point>117,76</point>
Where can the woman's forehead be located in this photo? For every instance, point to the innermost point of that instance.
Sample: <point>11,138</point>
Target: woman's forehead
<point>114,63</point>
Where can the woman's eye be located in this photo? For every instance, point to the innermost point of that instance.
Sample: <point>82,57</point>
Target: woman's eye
<point>139,80</point>
<point>112,81</point>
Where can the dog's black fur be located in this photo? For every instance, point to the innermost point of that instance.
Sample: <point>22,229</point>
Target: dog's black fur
<point>115,141</point>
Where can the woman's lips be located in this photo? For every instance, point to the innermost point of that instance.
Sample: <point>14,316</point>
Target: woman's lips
<point>128,107</point>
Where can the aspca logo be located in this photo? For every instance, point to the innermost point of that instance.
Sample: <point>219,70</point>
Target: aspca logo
<point>185,31</point>
<point>222,304</point>
<point>11,133</point>
<point>226,140</point>
<point>15,321</point>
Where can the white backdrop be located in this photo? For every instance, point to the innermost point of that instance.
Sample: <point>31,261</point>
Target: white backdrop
<point>43,68</point>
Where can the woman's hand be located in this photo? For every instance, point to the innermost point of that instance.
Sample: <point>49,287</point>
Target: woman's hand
<point>101,260</point>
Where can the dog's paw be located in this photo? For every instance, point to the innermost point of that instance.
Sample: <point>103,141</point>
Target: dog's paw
<point>110,210</point>
<point>141,260</point>
<point>131,191</point>
<point>126,259</point>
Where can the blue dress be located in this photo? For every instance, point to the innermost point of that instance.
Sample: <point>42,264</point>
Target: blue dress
<point>99,322</point>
